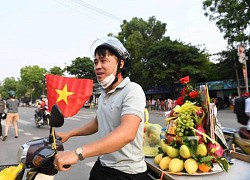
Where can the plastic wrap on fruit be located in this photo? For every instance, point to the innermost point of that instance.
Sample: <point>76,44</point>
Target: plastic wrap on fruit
<point>151,139</point>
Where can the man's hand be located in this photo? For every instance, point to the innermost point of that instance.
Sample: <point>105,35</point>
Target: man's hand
<point>65,158</point>
<point>64,135</point>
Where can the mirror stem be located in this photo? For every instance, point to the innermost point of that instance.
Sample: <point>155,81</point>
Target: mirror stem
<point>50,136</point>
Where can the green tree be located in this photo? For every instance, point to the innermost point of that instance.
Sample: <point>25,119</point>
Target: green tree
<point>9,83</point>
<point>138,35</point>
<point>232,17</point>
<point>168,61</point>
<point>156,60</point>
<point>23,92</point>
<point>33,78</point>
<point>81,68</point>
<point>56,70</point>
<point>226,60</point>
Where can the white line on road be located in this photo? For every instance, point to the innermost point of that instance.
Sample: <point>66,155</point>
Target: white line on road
<point>90,164</point>
<point>23,122</point>
<point>85,116</point>
<point>72,118</point>
<point>27,134</point>
<point>36,137</point>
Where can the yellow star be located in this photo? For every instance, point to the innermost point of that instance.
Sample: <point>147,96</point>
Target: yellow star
<point>63,94</point>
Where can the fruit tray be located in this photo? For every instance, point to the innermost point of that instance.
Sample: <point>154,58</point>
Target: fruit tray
<point>216,169</point>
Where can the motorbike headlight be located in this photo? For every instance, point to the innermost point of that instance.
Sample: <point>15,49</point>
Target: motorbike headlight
<point>22,153</point>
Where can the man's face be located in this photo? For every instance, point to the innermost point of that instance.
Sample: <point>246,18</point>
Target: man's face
<point>104,66</point>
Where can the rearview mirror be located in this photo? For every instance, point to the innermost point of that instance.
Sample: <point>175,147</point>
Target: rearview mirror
<point>56,117</point>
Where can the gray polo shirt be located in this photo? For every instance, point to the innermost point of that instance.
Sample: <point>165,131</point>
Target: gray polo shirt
<point>127,98</point>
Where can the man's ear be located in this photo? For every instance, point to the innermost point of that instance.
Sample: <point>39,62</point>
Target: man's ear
<point>122,63</point>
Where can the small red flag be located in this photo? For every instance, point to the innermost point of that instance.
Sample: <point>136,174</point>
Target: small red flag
<point>68,93</point>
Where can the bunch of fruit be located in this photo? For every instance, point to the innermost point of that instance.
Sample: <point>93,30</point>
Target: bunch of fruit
<point>187,146</point>
<point>177,159</point>
<point>184,121</point>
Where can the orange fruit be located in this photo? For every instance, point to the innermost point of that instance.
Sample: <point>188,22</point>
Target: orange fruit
<point>204,168</point>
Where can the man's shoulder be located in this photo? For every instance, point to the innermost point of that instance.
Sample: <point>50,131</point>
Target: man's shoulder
<point>134,84</point>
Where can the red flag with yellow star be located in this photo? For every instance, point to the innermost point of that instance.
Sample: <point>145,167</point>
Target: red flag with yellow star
<point>68,93</point>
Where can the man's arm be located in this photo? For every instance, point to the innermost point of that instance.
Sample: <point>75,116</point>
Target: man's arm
<point>87,129</point>
<point>114,141</point>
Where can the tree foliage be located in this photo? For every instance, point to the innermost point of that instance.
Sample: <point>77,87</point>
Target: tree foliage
<point>81,68</point>
<point>34,78</point>
<point>168,61</point>
<point>9,84</point>
<point>232,17</point>
<point>56,70</point>
<point>138,35</point>
<point>157,60</point>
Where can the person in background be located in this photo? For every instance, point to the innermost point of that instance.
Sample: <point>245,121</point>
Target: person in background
<point>12,114</point>
<point>119,120</point>
<point>153,104</point>
<point>2,107</point>
<point>42,105</point>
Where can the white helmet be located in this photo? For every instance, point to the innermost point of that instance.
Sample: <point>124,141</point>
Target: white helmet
<point>110,43</point>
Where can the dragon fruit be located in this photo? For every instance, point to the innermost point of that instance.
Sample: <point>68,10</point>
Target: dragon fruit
<point>215,150</point>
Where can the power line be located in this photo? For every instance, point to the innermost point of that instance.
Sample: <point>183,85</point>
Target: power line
<point>95,9</point>
<point>85,14</point>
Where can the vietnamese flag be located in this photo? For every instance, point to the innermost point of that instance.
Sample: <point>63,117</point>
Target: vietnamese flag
<point>68,93</point>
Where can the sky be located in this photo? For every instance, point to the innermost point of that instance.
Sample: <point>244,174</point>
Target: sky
<point>52,33</point>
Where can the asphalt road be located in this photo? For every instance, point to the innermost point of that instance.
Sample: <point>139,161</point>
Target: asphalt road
<point>28,131</point>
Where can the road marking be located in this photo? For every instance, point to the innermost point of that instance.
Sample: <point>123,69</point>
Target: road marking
<point>78,118</point>
<point>90,164</point>
<point>36,137</point>
<point>28,134</point>
<point>72,118</point>
<point>86,116</point>
<point>23,122</point>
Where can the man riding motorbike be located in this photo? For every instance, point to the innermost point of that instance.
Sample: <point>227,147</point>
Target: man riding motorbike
<point>42,106</point>
<point>119,120</point>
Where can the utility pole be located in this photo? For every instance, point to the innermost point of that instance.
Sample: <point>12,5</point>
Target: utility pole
<point>243,59</point>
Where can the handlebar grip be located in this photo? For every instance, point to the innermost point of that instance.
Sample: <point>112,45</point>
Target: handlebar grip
<point>66,166</point>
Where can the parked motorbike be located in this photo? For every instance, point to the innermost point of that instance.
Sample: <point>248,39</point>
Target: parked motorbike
<point>36,156</point>
<point>238,139</point>
<point>238,144</point>
<point>42,117</point>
